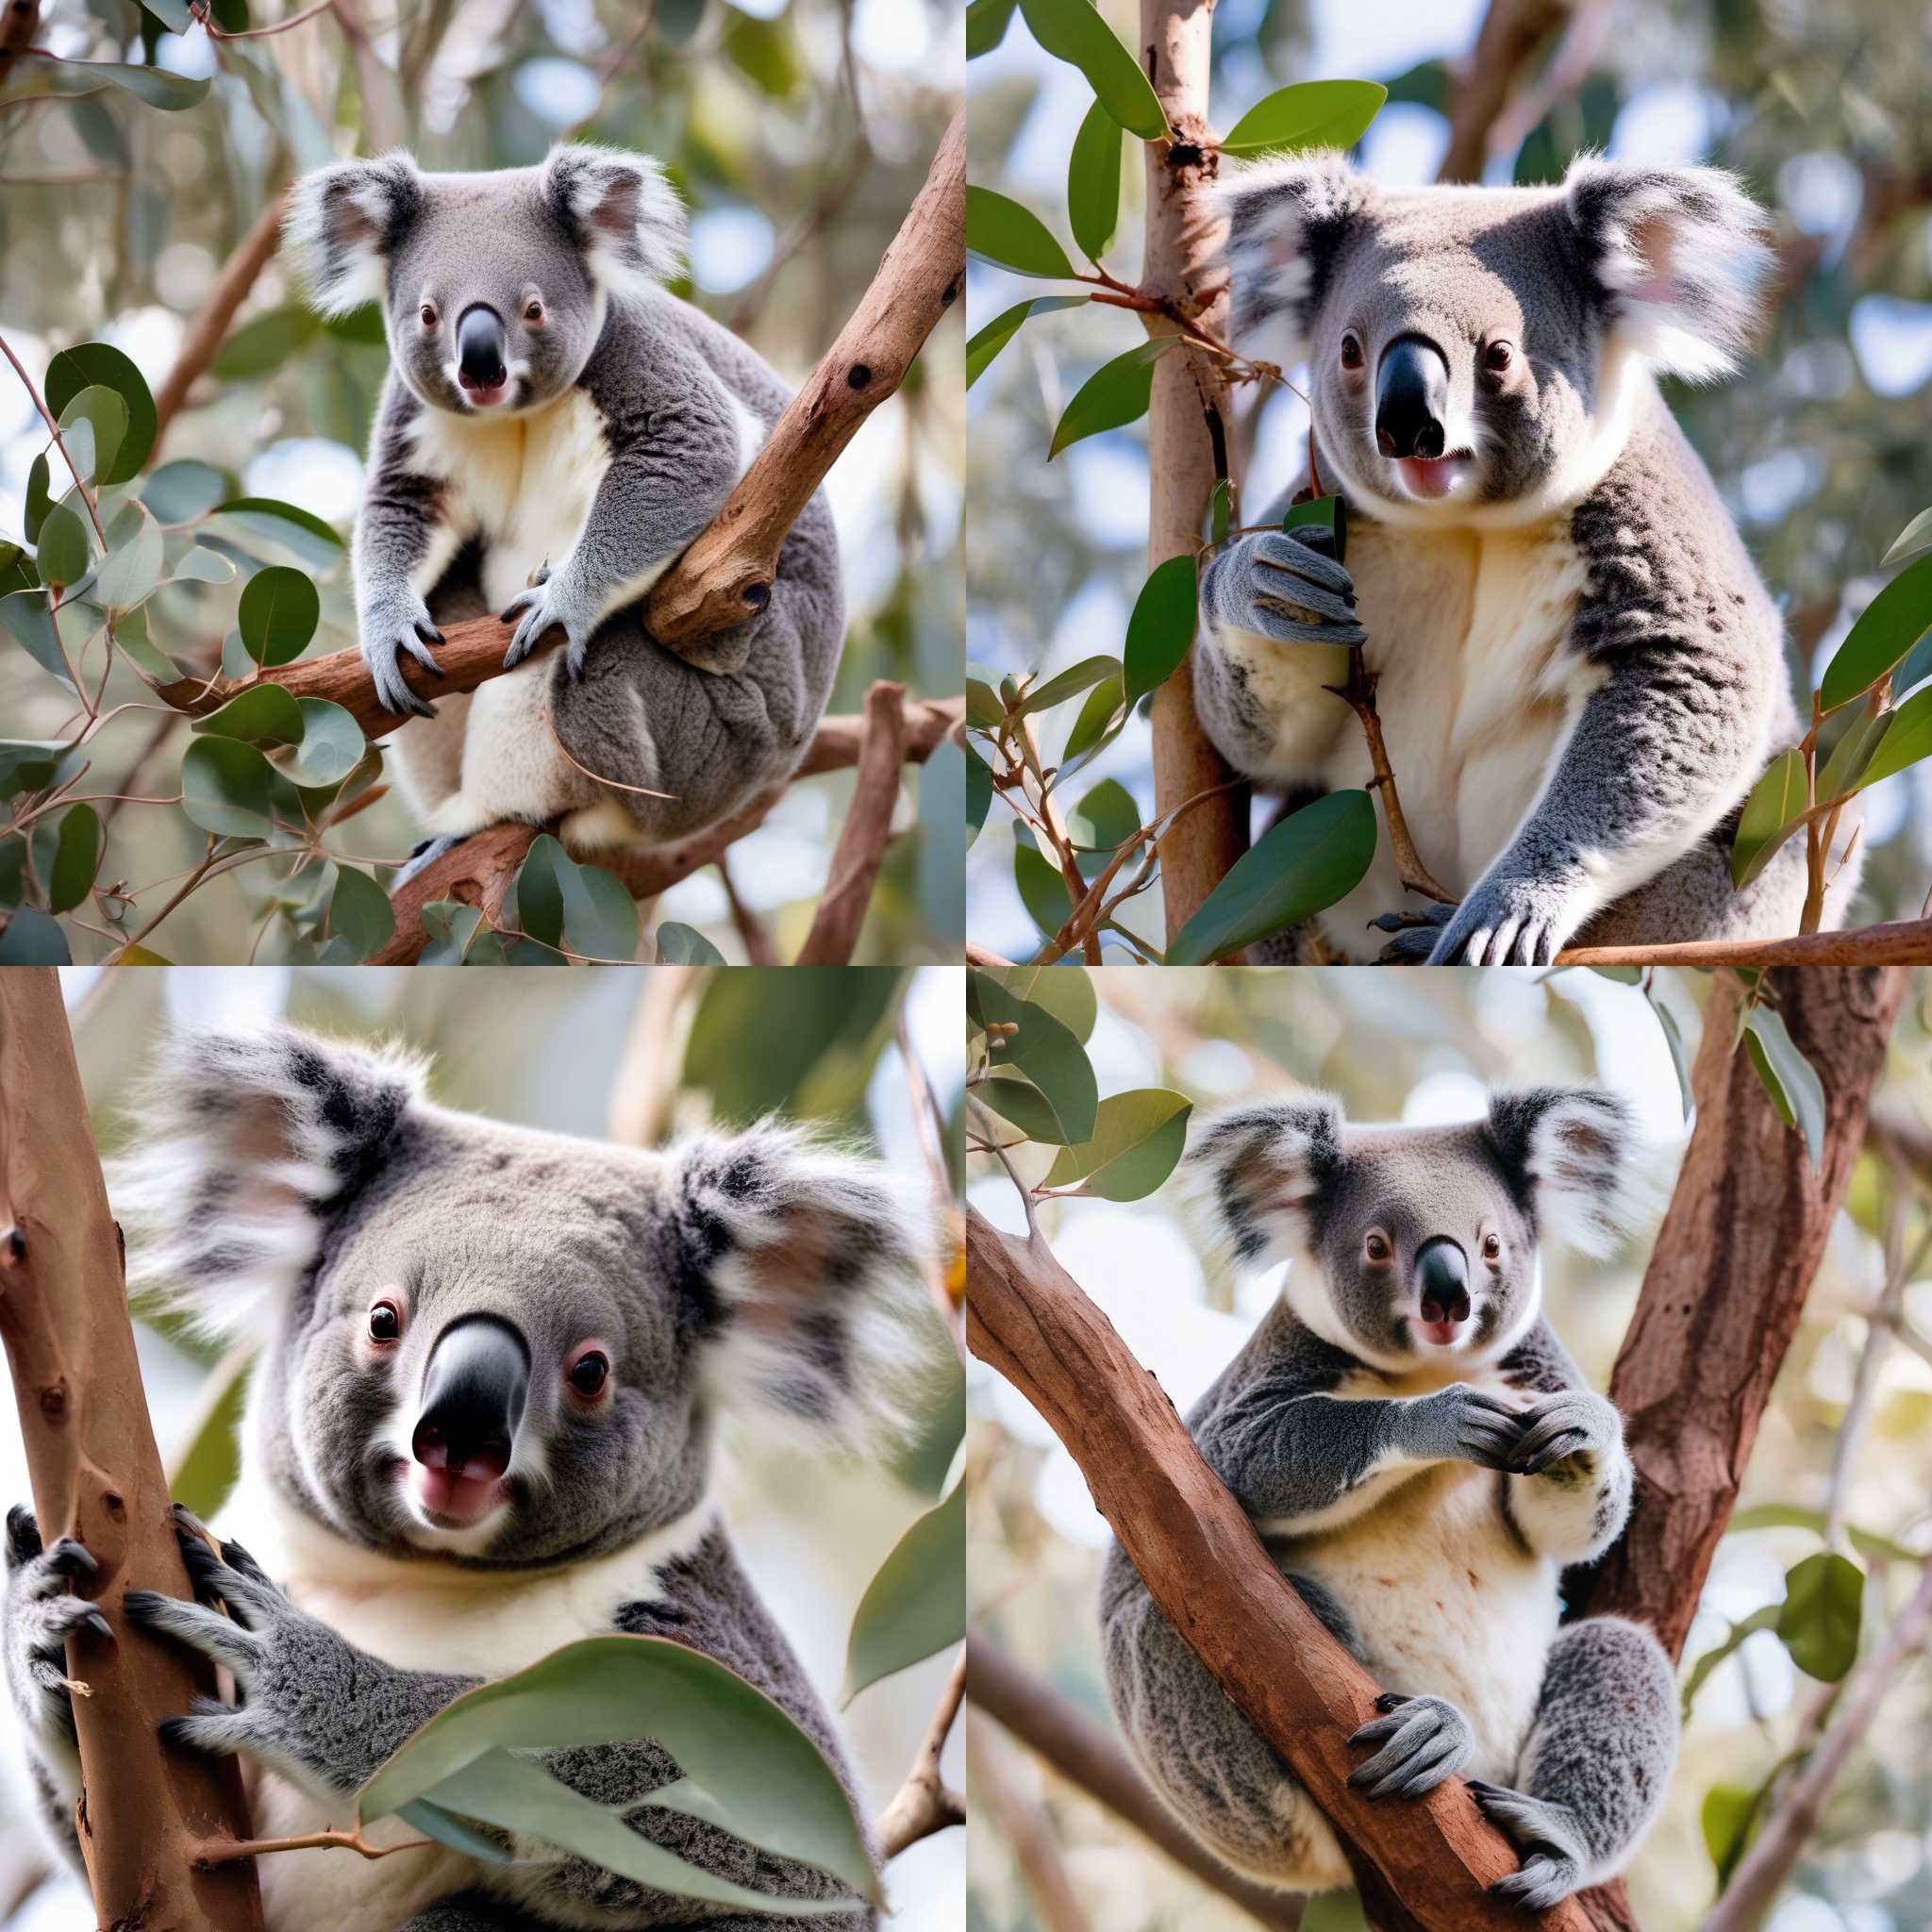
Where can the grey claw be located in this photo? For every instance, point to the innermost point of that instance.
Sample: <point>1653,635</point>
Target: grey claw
<point>99,1625</point>
<point>70,1558</point>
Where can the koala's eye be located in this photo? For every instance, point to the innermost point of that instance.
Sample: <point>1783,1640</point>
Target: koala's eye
<point>533,311</point>
<point>1376,1245</point>
<point>385,1323</point>
<point>1351,350</point>
<point>1498,356</point>
<point>428,314</point>
<point>1492,1247</point>
<point>588,1372</point>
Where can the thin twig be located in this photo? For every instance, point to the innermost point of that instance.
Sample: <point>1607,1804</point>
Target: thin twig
<point>1900,943</point>
<point>861,847</point>
<point>925,1802</point>
<point>1359,694</point>
<point>227,1851</point>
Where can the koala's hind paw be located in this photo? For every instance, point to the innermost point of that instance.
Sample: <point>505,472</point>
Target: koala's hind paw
<point>1423,1739</point>
<point>1552,1864</point>
<point>388,629</point>
<point>546,606</point>
<point>41,1616</point>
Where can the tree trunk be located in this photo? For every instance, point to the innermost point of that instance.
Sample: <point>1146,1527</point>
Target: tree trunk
<point>97,1477</point>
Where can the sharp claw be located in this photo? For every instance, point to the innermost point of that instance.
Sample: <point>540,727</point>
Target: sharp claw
<point>72,1558</point>
<point>99,1625</point>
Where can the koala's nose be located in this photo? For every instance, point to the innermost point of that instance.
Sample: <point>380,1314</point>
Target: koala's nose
<point>474,1392</point>
<point>1443,1274</point>
<point>480,347</point>
<point>1411,388</point>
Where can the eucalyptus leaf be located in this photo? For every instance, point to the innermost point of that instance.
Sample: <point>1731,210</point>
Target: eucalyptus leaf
<point>132,566</point>
<point>180,491</point>
<point>258,520</point>
<point>1046,1052</point>
<point>916,1604</point>
<point>1770,815</point>
<point>69,875</point>
<point>1792,1081</point>
<point>979,794</point>
<point>1065,990</point>
<point>1907,739</point>
<point>1886,629</point>
<point>989,341</point>
<point>65,555</point>
<point>999,229</point>
<point>685,945</point>
<point>331,744</point>
<point>1074,31</point>
<point>1094,182</point>
<point>280,609</point>
<point>26,618</point>
<point>33,938</point>
<point>986,25</point>
<point>1064,684</point>
<point>1137,1138</point>
<point>1313,113</point>
<point>1117,394</point>
<point>1916,536</point>
<point>87,363</point>
<point>261,347</point>
<point>228,788</point>
<point>1823,1610</point>
<point>1161,628</point>
<point>262,714</point>
<point>104,412</point>
<point>359,911</point>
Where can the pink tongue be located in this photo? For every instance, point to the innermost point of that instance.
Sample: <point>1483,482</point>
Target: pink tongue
<point>1428,475</point>
<point>450,1493</point>
<point>1440,1332</point>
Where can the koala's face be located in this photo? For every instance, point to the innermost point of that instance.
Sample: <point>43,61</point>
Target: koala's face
<point>493,286</point>
<point>495,1345</point>
<point>1411,1245</point>
<point>1472,352</point>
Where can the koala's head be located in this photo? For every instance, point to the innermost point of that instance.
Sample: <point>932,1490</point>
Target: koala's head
<point>499,1345</point>
<point>493,286</point>
<point>1474,354</point>
<point>1409,1245</point>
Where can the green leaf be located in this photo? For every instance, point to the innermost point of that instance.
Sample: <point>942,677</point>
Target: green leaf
<point>805,1048</point>
<point>198,564</point>
<point>264,344</point>
<point>1072,31</point>
<point>1219,507</point>
<point>263,714</point>
<point>201,1477</point>
<point>1002,231</point>
<point>87,363</point>
<point>39,497</point>
<point>331,743</point>
<point>1886,629</point>
<point>69,876</point>
<point>986,25</point>
<point>1842,774</point>
<point>916,1604</point>
<point>158,88</point>
<point>1161,628</point>
<point>1916,536</point>
<point>78,459</point>
<point>102,409</point>
<point>1790,1078</point>
<point>1094,182</point>
<point>1114,395</point>
<point>280,609</point>
<point>1047,1053</point>
<point>451,928</point>
<point>172,14</point>
<point>685,945</point>
<point>1907,739</point>
<point>983,705</point>
<point>1680,1060</point>
<point>600,918</point>
<point>228,788</point>
<point>36,764</point>
<point>264,520</point>
<point>1001,330</point>
<point>539,890</point>
<point>358,909</point>
<point>1313,113</point>
<point>1100,718</point>
<point>26,619</point>
<point>1770,815</point>
<point>1311,859</point>
<point>179,492</point>
<point>34,939</point>
<point>1137,1137</point>
<point>979,794</point>
<point>1735,1638</point>
<point>445,1828</point>
<point>63,556</point>
<point>1064,990</point>
<point>363,326</point>
<point>1326,511</point>
<point>1037,880</point>
<point>16,569</point>
<point>1105,818</point>
<point>1727,1816</point>
<point>132,566</point>
<point>726,1737</point>
<point>1824,1608</point>
<point>1064,684</point>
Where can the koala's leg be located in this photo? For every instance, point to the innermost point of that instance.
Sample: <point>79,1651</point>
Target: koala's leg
<point>1595,1765</point>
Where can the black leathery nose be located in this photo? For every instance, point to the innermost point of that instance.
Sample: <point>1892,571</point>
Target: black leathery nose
<point>473,1392</point>
<point>1442,1273</point>
<point>480,345</point>
<point>1412,393</point>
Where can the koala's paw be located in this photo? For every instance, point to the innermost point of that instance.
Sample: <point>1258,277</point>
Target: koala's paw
<point>549,602</point>
<point>1415,934</point>
<point>1567,1436</point>
<point>1553,1866</point>
<point>1423,1741</point>
<point>41,1616</point>
<point>1283,584</point>
<point>391,625</point>
<point>1506,923</point>
<point>1464,1424</point>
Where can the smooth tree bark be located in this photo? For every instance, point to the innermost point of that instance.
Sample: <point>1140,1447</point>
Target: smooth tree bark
<point>1188,424</point>
<point>96,1476</point>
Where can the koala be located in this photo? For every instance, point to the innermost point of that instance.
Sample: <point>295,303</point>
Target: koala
<point>1421,1458</point>
<point>481,1424</point>
<point>1581,675</point>
<point>555,429</point>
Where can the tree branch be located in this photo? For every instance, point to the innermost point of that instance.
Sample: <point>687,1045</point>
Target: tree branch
<point>1420,1867</point>
<point>925,1804</point>
<point>868,826</point>
<point>97,1477</point>
<point>1512,31</point>
<point>1902,943</point>
<point>20,20</point>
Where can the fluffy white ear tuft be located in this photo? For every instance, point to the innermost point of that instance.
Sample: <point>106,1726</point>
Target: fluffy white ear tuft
<point>341,224</point>
<point>1287,215</point>
<point>1681,253</point>
<point>241,1142</point>
<point>1577,1152</point>
<point>807,1269</point>
<point>1247,1175</point>
<point>621,210</point>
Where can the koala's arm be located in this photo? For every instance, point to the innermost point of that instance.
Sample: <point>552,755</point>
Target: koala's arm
<point>1303,1462</point>
<point>399,543</point>
<point>1571,1478</point>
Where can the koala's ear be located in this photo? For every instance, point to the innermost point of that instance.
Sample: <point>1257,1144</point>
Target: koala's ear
<point>621,210</point>
<point>1286,217</point>
<point>342,224</point>
<point>242,1145</point>
<point>1574,1154</point>
<point>1248,1176</point>
<point>1681,254</point>
<point>801,1269</point>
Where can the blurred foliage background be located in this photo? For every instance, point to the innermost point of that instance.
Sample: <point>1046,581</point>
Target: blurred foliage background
<point>799,131</point>
<point>1818,444</point>
<point>1428,1049</point>
<point>633,1057</point>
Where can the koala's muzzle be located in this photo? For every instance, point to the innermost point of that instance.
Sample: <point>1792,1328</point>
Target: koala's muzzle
<point>1412,398</point>
<point>1441,1270</point>
<point>481,350</point>
<point>474,1392</point>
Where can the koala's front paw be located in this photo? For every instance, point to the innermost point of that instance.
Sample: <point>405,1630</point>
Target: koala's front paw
<point>553,601</point>
<point>41,1616</point>
<point>1423,1741</point>
<point>1506,923</point>
<point>1568,1437</point>
<point>1282,584</point>
<point>392,625</point>
<point>1463,1425</point>
<point>1554,1853</point>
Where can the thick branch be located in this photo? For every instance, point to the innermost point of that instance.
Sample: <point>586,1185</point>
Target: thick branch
<point>96,1476</point>
<point>868,826</point>
<point>726,576</point>
<point>1484,79</point>
<point>1187,434</point>
<point>1425,1864</point>
<point>1902,943</point>
<point>1086,1754</point>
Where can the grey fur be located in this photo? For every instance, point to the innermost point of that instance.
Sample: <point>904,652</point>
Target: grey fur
<point>277,1184</point>
<point>1669,658</point>
<point>1332,1431</point>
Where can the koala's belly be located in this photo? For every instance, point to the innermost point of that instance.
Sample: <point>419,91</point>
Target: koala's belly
<point>1446,1602</point>
<point>1477,695</point>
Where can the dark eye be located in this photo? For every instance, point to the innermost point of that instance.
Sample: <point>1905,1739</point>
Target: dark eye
<point>1377,1246</point>
<point>385,1323</point>
<point>1492,1247</point>
<point>1351,350</point>
<point>428,313</point>
<point>534,312</point>
<point>587,1373</point>
<point>1498,356</point>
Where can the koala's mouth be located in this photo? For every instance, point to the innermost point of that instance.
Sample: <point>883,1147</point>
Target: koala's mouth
<point>1445,1313</point>
<point>484,396</point>
<point>1431,478</point>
